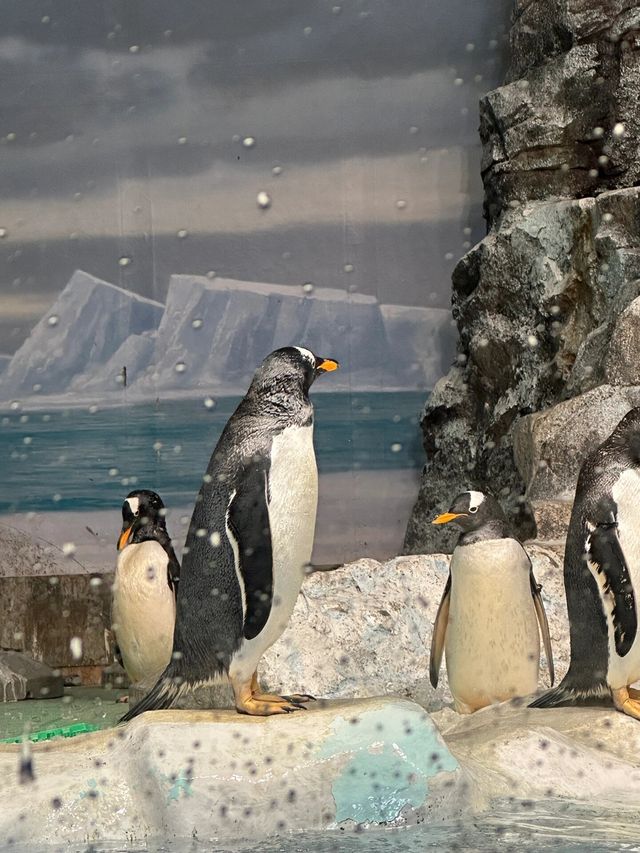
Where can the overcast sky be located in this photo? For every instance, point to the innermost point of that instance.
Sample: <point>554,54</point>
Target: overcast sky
<point>122,137</point>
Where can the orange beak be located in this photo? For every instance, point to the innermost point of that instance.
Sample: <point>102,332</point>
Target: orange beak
<point>124,537</point>
<point>327,365</point>
<point>446,517</point>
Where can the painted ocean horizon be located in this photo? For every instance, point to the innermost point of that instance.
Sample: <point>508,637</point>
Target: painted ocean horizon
<point>80,459</point>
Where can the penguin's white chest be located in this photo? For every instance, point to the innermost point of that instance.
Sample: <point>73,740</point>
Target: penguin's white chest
<point>143,611</point>
<point>492,644</point>
<point>626,493</point>
<point>293,501</point>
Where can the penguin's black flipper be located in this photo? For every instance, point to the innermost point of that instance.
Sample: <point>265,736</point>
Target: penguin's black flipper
<point>248,523</point>
<point>536,588</point>
<point>606,560</point>
<point>439,632</point>
<point>173,569</point>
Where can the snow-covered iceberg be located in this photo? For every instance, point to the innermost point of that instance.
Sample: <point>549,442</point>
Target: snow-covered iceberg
<point>84,327</point>
<point>211,334</point>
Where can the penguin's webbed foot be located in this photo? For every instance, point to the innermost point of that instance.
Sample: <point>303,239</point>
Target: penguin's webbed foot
<point>257,708</point>
<point>625,701</point>
<point>300,698</point>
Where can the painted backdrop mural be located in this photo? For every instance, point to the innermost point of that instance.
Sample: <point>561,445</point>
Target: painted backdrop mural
<point>188,186</point>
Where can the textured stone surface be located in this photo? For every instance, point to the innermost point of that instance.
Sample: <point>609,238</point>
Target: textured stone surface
<point>21,677</point>
<point>550,446</point>
<point>365,630</point>
<point>227,778</point>
<point>580,755</point>
<point>46,615</point>
<point>573,79</point>
<point>535,302</point>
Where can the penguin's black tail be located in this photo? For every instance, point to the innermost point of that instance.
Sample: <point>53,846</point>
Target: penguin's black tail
<point>569,692</point>
<point>168,688</point>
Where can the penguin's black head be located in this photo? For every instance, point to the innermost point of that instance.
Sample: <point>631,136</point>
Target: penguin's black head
<point>295,365</point>
<point>475,512</point>
<point>142,518</point>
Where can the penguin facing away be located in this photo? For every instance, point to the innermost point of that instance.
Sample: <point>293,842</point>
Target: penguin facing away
<point>144,591</point>
<point>602,576</point>
<point>249,540</point>
<point>487,621</point>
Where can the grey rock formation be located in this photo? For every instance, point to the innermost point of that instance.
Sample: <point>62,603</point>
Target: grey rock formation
<point>545,304</point>
<point>21,677</point>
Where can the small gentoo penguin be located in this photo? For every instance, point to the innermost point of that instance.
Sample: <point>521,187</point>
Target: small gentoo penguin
<point>144,591</point>
<point>602,576</point>
<point>249,540</point>
<point>486,622</point>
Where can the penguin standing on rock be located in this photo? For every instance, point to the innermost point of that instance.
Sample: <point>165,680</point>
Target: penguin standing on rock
<point>249,540</point>
<point>486,623</point>
<point>602,576</point>
<point>144,590</point>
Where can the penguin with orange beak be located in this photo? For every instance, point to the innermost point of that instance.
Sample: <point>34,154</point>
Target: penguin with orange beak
<point>144,591</point>
<point>491,609</point>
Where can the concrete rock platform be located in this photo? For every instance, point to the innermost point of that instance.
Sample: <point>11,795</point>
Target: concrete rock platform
<point>216,775</point>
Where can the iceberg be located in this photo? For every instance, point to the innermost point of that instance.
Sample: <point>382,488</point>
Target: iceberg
<point>84,327</point>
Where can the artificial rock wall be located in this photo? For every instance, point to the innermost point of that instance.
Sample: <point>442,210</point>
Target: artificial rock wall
<point>547,305</point>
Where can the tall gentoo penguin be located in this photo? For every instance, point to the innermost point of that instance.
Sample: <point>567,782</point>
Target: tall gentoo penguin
<point>486,622</point>
<point>249,539</point>
<point>144,602</point>
<point>602,576</point>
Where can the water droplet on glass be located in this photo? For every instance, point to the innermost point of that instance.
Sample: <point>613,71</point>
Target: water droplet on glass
<point>458,81</point>
<point>27,439</point>
<point>211,274</point>
<point>277,170</point>
<point>533,341</point>
<point>209,402</point>
<point>15,405</point>
<point>134,48</point>
<point>69,549</point>
<point>182,233</point>
<point>197,323</point>
<point>124,261</point>
<point>618,129</point>
<point>469,47</point>
<point>413,129</point>
<point>336,10</point>
<point>401,204</point>
<point>45,19</point>
<point>182,140</point>
<point>201,533</point>
<point>53,320</point>
<point>263,200</point>
<point>157,446</point>
<point>75,646</point>
<point>308,287</point>
<point>348,267</point>
<point>396,448</point>
<point>607,217</point>
<point>215,539</point>
<point>448,256</point>
<point>37,387</point>
<point>93,409</point>
<point>593,173</point>
<point>113,472</point>
<point>180,367</point>
<point>95,582</point>
<point>597,132</point>
<point>307,31</point>
<point>3,232</point>
<point>11,137</point>
<point>249,142</point>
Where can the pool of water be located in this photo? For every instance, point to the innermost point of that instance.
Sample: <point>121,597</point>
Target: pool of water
<point>559,826</point>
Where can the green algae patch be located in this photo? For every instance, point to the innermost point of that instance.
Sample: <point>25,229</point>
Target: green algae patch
<point>394,752</point>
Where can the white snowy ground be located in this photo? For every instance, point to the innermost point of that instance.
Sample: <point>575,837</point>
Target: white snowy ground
<point>360,514</point>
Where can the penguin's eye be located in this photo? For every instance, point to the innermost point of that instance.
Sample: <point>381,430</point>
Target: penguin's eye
<point>473,509</point>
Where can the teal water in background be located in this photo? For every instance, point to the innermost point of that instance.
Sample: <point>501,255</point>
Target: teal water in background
<point>76,459</point>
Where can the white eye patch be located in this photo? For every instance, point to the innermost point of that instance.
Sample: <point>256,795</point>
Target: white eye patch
<point>475,499</point>
<point>134,504</point>
<point>306,354</point>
